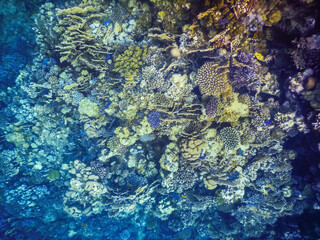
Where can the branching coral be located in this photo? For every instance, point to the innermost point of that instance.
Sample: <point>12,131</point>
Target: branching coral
<point>211,107</point>
<point>154,119</point>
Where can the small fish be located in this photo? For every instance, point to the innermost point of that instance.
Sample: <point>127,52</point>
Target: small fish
<point>108,104</point>
<point>268,122</point>
<point>183,196</point>
<point>108,56</point>
<point>202,155</point>
<point>106,22</point>
<point>259,56</point>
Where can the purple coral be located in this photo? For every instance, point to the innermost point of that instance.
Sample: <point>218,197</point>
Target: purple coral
<point>242,76</point>
<point>244,57</point>
<point>154,119</point>
<point>211,107</point>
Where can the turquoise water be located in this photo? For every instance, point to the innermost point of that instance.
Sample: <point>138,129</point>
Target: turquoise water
<point>172,119</point>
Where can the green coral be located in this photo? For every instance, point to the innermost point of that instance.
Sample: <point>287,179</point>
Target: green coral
<point>53,175</point>
<point>89,108</point>
<point>128,63</point>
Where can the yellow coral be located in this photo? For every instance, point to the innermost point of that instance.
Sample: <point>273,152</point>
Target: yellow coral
<point>209,183</point>
<point>89,108</point>
<point>77,44</point>
<point>233,111</point>
<point>191,149</point>
<point>72,11</point>
<point>161,14</point>
<point>259,56</point>
<point>129,63</point>
<point>126,137</point>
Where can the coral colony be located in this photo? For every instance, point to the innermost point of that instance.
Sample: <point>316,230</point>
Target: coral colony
<point>160,119</point>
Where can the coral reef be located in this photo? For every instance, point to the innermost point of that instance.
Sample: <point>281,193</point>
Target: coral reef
<point>177,119</point>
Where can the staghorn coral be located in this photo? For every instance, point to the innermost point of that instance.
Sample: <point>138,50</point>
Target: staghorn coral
<point>230,138</point>
<point>213,79</point>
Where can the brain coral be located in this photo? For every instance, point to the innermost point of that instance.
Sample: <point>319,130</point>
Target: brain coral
<point>213,79</point>
<point>230,137</point>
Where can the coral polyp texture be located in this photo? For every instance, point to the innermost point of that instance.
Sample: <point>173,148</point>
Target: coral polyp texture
<point>230,137</point>
<point>213,79</point>
<point>160,119</point>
